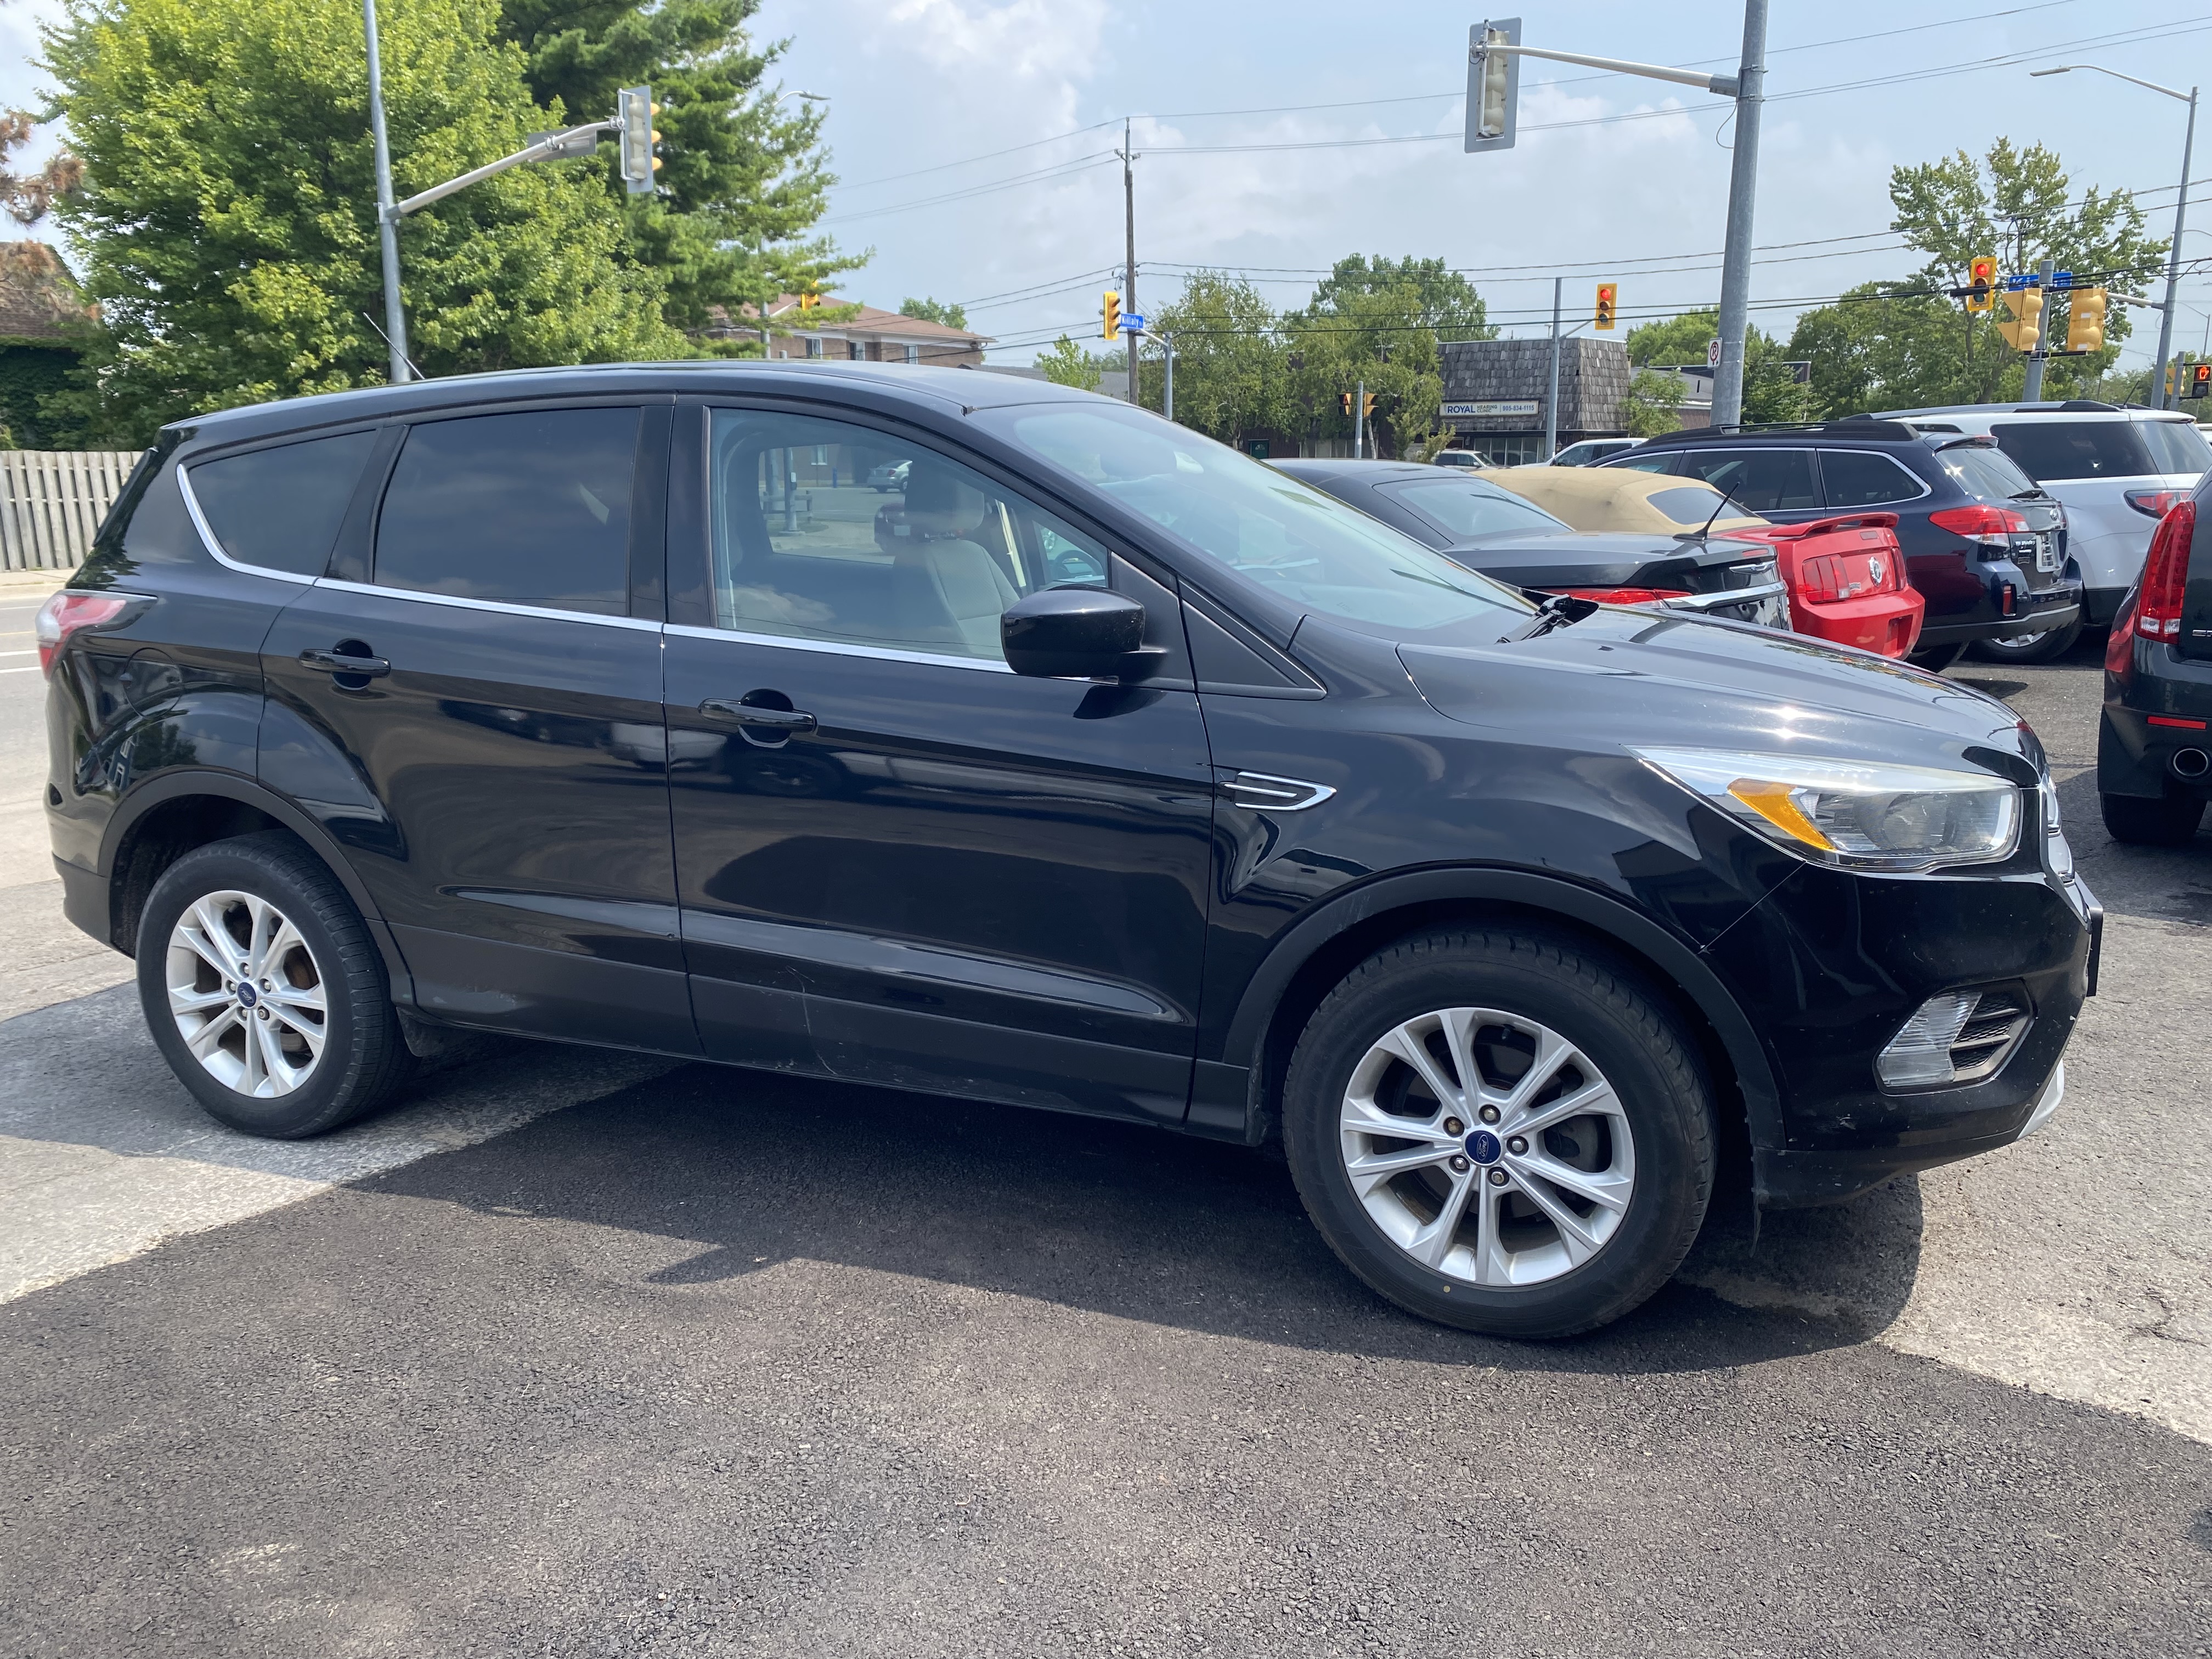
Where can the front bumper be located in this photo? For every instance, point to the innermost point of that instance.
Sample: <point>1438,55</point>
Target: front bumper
<point>1828,968</point>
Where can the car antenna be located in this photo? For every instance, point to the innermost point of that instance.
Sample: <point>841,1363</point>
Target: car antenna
<point>1706,529</point>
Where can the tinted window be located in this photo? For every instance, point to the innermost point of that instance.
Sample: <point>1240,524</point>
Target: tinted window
<point>1693,504</point>
<point>1983,472</point>
<point>1308,548</point>
<point>1646,462</point>
<point>531,509</point>
<point>280,508</point>
<point>1856,478</point>
<point>1461,507</point>
<point>2177,446</point>
<point>1757,480</point>
<point>824,531</point>
<point>2049,451</point>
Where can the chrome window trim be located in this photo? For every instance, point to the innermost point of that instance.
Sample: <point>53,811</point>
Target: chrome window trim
<point>499,607</point>
<point>1926,489</point>
<point>215,549</point>
<point>839,648</point>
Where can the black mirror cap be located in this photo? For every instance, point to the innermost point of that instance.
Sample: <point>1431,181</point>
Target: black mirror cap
<point>1076,633</point>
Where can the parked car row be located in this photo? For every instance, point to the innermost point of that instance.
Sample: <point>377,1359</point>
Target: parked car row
<point>1114,772</point>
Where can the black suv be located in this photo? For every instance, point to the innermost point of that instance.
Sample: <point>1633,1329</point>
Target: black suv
<point>2155,741</point>
<point>1983,543</point>
<point>1095,767</point>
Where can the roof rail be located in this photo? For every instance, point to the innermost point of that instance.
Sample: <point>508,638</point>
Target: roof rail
<point>1865,427</point>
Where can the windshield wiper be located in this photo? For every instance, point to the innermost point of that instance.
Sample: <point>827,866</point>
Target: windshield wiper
<point>1553,610</point>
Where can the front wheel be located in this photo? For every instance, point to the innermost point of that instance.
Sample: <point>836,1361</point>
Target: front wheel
<point>1501,1131</point>
<point>2047,646</point>
<point>264,990</point>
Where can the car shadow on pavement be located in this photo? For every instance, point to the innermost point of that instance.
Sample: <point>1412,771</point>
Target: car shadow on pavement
<point>755,1171</point>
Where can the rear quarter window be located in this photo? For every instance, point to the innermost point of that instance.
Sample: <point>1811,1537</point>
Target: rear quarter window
<point>2052,452</point>
<point>280,508</point>
<point>2177,446</point>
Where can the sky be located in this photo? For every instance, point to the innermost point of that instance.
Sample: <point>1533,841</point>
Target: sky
<point>974,140</point>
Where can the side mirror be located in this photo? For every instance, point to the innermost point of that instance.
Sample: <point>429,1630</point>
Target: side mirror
<point>1077,633</point>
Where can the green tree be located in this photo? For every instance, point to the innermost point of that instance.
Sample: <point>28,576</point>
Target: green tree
<point>933,311</point>
<point>1448,303</point>
<point>1231,377</point>
<point>1066,363</point>
<point>1383,333</point>
<point>1650,410</point>
<point>744,178</point>
<point>226,220</point>
<point>1672,342</point>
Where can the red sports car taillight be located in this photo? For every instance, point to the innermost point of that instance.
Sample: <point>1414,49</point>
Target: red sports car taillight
<point>2166,573</point>
<point>66,612</point>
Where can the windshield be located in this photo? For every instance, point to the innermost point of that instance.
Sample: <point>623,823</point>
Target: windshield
<point>1468,506</point>
<point>2050,451</point>
<point>1307,548</point>
<point>1985,473</point>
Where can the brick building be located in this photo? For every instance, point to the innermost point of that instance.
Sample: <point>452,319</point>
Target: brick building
<point>870,336</point>
<point>1494,392</point>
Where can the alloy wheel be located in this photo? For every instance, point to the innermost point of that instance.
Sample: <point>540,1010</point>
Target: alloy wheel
<point>246,993</point>
<point>1488,1147</point>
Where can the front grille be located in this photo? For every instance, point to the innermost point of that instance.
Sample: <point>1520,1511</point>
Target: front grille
<point>1958,1036</point>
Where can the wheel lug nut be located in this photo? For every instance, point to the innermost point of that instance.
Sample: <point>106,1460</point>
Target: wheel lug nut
<point>1454,1126</point>
<point>263,1012</point>
<point>1497,1178</point>
<point>1459,1165</point>
<point>1489,1114</point>
<point>1517,1144</point>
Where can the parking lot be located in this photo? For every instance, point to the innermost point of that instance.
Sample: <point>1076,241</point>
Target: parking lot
<point>594,1354</point>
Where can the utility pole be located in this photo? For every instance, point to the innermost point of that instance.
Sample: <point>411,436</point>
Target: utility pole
<point>1552,398</point>
<point>1129,263</point>
<point>1359,421</point>
<point>2031,390</point>
<point>1743,189</point>
<point>387,226</point>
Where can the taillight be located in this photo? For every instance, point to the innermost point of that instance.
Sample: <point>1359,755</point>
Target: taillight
<point>66,612</point>
<point>1618,595</point>
<point>2166,573</point>
<point>1990,525</point>
<point>1821,579</point>
<point>2156,503</point>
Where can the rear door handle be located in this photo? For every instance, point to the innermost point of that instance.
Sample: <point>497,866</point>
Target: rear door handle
<point>333,662</point>
<point>790,721</point>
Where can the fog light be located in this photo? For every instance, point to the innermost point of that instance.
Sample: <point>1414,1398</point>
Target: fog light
<point>1957,1036</point>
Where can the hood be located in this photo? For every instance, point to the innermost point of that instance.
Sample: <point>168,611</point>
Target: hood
<point>1585,558</point>
<point>1631,678</point>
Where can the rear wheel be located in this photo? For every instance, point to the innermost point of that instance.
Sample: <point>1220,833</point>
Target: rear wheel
<point>2145,822</point>
<point>264,990</point>
<point>2046,647</point>
<point>1501,1131</point>
<point>1936,658</point>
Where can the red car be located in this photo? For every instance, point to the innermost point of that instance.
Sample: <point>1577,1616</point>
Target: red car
<point>1847,581</point>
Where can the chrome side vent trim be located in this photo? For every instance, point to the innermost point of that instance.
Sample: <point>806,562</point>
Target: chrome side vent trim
<point>1264,793</point>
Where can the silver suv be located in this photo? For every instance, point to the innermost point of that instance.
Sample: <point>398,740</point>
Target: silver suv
<point>2115,471</point>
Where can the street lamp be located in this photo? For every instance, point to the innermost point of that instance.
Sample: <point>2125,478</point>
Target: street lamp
<point>2180,209</point>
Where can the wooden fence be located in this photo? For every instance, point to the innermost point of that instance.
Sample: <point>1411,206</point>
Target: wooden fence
<point>52,501</point>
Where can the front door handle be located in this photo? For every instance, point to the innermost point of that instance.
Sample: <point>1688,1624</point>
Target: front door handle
<point>791,722</point>
<point>336,662</point>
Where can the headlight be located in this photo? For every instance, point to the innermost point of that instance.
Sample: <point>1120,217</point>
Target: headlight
<point>1863,814</point>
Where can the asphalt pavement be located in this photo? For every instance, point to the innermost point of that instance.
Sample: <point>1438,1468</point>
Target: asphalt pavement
<point>582,1354</point>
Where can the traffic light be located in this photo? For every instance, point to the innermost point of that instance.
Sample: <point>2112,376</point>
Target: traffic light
<point>634,109</point>
<point>1110,316</point>
<point>2022,324</point>
<point>1982,279</point>
<point>1493,84</point>
<point>1607,293</point>
<point>1367,407</point>
<point>1344,403</point>
<point>2085,320</point>
<point>2200,380</point>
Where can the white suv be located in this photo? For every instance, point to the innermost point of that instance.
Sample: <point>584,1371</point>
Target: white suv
<point>2115,471</point>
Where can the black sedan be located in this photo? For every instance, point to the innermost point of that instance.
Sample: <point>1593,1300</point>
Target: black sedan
<point>1475,523</point>
<point>2154,744</point>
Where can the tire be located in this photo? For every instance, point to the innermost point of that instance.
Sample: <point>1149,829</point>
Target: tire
<point>1649,1144</point>
<point>259,1067</point>
<point>2144,822</point>
<point>1936,658</point>
<point>2046,647</point>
